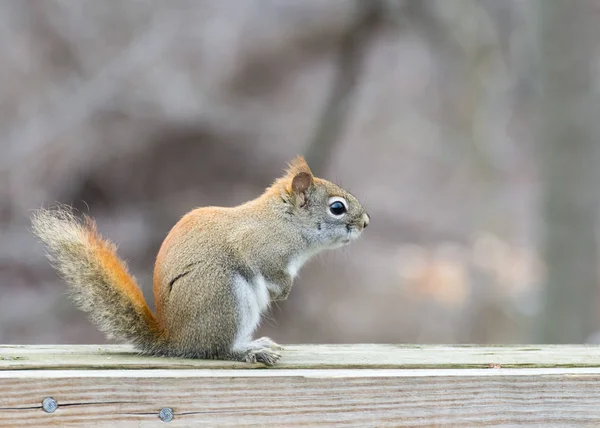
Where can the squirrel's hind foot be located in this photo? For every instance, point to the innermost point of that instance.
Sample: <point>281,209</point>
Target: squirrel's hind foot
<point>262,355</point>
<point>262,350</point>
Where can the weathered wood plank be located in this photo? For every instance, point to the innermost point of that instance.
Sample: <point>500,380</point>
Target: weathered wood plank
<point>335,397</point>
<point>19,357</point>
<point>323,385</point>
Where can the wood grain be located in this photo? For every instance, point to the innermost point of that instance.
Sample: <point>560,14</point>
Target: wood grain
<point>350,386</point>
<point>17,357</point>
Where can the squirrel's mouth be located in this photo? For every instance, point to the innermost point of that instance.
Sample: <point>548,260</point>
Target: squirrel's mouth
<point>353,233</point>
<point>350,236</point>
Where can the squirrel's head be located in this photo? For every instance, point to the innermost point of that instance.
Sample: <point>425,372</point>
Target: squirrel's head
<point>328,215</point>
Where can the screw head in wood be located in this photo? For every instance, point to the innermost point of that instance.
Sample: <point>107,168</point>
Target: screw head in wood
<point>166,414</point>
<point>49,405</point>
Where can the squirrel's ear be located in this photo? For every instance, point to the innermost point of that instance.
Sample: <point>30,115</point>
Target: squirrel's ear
<point>301,182</point>
<point>297,166</point>
<point>299,179</point>
<point>299,186</point>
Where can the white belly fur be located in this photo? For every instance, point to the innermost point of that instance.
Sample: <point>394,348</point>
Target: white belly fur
<point>297,262</point>
<point>252,300</point>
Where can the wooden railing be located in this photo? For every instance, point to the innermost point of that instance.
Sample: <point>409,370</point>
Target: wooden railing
<point>313,385</point>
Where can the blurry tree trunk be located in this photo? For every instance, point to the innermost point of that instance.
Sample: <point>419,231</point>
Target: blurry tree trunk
<point>569,138</point>
<point>349,64</point>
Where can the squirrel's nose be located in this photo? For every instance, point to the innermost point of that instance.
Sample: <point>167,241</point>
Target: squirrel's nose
<point>365,220</point>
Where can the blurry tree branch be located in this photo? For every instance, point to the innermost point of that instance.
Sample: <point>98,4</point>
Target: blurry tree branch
<point>348,69</point>
<point>71,107</point>
<point>568,144</point>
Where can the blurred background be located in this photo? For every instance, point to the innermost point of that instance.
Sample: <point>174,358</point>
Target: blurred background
<point>469,129</point>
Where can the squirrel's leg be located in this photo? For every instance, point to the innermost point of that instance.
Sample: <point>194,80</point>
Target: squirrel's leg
<point>250,303</point>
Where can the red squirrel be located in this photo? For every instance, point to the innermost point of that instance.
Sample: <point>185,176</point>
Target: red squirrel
<point>216,272</point>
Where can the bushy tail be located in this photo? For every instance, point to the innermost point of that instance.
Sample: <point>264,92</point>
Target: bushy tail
<point>98,280</point>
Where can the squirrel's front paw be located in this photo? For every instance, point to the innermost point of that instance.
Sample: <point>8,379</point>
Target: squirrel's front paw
<point>282,295</point>
<point>262,355</point>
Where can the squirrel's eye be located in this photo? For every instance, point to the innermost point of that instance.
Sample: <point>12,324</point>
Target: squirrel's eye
<point>337,207</point>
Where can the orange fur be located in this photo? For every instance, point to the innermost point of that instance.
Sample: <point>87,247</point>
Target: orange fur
<point>185,225</point>
<point>284,184</point>
<point>296,166</point>
<point>105,254</point>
